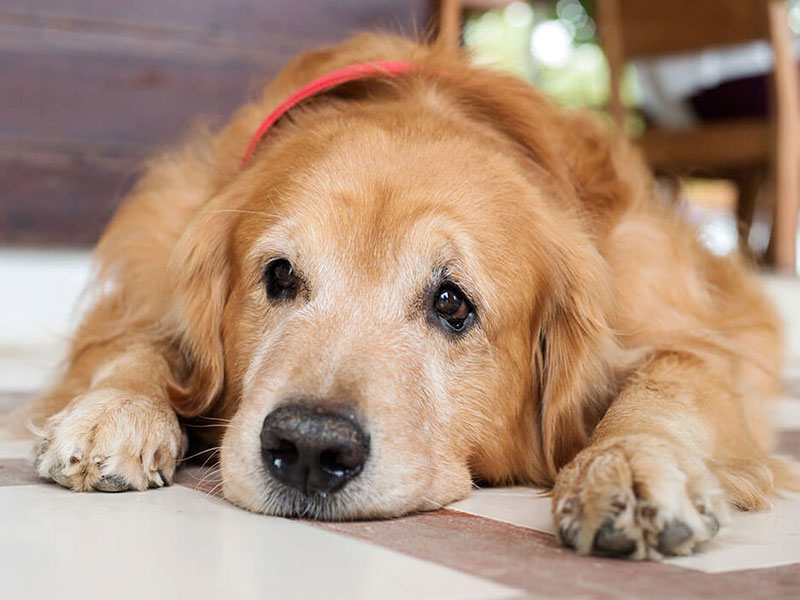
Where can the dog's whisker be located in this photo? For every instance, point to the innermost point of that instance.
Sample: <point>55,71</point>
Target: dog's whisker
<point>209,472</point>
<point>196,454</point>
<point>211,457</point>
<point>207,418</point>
<point>426,499</point>
<point>213,491</point>
<point>214,475</point>
<point>199,481</point>
<point>536,492</point>
<point>209,476</point>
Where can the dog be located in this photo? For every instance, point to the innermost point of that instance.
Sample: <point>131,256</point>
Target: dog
<point>397,273</point>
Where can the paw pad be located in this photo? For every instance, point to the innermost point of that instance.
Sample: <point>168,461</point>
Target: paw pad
<point>674,534</point>
<point>112,483</point>
<point>610,541</point>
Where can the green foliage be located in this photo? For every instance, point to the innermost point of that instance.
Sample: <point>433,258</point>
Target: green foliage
<point>552,45</point>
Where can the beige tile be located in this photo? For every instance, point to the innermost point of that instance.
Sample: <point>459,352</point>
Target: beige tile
<point>17,471</point>
<point>534,561</point>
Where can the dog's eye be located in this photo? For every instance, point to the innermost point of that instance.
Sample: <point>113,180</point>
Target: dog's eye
<point>281,280</point>
<point>452,308</point>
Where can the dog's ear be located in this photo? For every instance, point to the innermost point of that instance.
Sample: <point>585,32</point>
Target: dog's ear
<point>577,151</point>
<point>199,270</point>
<point>575,351</point>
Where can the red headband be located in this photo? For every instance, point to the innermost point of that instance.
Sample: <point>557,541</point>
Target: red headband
<point>350,73</point>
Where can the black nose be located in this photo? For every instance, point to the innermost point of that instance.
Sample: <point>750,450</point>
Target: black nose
<point>312,448</point>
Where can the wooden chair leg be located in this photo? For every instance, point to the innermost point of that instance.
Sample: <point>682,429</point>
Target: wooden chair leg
<point>787,140</point>
<point>748,185</point>
<point>449,13</point>
<point>610,29</point>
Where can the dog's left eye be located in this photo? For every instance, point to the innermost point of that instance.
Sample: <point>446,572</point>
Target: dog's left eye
<point>281,280</point>
<point>452,308</point>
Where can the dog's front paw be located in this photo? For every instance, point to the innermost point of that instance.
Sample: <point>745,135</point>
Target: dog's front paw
<point>637,498</point>
<point>111,441</point>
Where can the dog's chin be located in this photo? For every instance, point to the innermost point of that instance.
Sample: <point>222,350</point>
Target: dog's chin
<point>282,501</point>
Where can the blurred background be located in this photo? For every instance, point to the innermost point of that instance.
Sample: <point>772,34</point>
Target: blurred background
<point>695,83</point>
<point>707,88</point>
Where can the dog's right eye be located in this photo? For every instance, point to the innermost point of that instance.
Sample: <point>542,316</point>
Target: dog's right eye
<point>452,309</point>
<point>280,279</point>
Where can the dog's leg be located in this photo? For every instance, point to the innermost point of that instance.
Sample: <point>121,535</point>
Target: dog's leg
<point>115,429</point>
<point>673,450</point>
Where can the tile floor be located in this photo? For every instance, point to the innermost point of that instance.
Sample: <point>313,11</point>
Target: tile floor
<point>183,541</point>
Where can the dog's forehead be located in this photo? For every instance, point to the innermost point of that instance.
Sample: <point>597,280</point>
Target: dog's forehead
<point>390,198</point>
<point>376,235</point>
<point>382,179</point>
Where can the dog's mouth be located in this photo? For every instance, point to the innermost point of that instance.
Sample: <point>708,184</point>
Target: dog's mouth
<point>283,501</point>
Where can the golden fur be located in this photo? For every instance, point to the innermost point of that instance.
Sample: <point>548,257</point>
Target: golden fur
<point>614,358</point>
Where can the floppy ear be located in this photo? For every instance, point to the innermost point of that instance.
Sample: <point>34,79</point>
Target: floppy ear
<point>574,359</point>
<point>577,150</point>
<point>199,269</point>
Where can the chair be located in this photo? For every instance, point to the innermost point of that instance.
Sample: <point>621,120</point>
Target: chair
<point>631,29</point>
<point>737,149</point>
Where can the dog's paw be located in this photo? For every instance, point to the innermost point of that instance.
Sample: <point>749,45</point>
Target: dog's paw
<point>637,498</point>
<point>111,441</point>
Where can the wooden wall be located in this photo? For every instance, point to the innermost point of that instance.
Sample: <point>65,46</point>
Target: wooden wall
<point>88,87</point>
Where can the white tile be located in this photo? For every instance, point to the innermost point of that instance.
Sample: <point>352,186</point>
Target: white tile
<point>785,293</point>
<point>792,368</point>
<point>30,369</point>
<point>785,414</point>
<point>523,506</point>
<point>40,292</point>
<point>38,311</point>
<point>179,543</point>
<point>751,541</point>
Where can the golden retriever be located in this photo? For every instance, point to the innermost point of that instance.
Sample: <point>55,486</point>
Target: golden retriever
<point>416,282</point>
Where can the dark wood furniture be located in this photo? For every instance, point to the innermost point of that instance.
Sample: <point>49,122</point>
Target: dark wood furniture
<point>89,87</point>
<point>736,149</point>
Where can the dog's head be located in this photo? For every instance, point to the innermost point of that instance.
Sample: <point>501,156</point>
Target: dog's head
<point>399,293</point>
